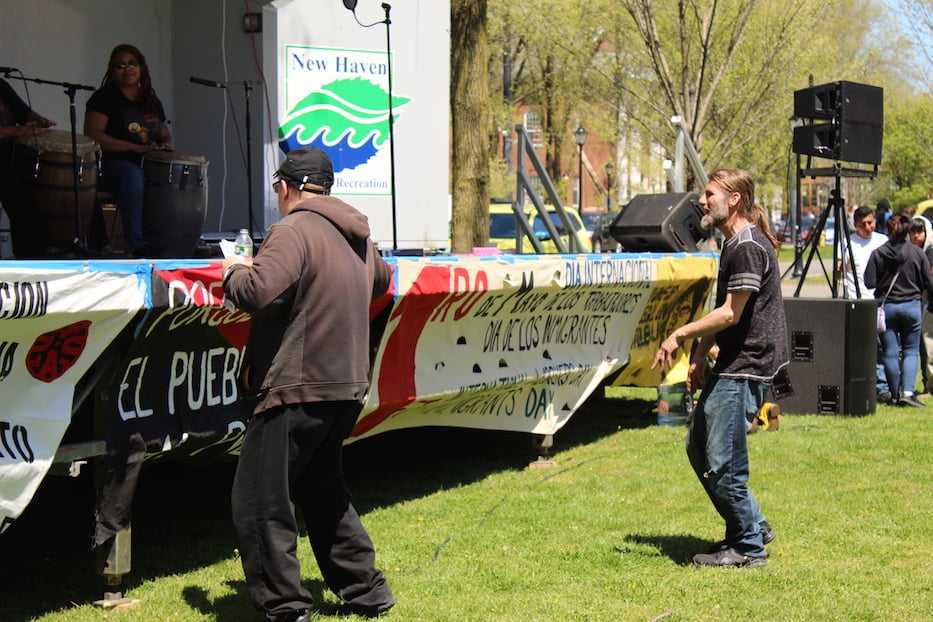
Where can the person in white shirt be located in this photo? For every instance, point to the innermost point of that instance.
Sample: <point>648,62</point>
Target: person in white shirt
<point>864,240</point>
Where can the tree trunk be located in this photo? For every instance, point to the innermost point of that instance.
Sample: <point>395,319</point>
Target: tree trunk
<point>469,114</point>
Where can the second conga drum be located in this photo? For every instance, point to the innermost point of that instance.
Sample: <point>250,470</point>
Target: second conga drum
<point>46,164</point>
<point>174,203</point>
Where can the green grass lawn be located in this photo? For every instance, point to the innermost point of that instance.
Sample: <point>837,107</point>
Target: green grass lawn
<point>465,531</point>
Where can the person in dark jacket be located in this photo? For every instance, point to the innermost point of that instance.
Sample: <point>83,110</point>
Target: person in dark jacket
<point>307,366</point>
<point>921,235</point>
<point>18,120</point>
<point>899,272</point>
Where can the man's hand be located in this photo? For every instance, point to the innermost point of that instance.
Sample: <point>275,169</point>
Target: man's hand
<point>40,123</point>
<point>235,259</point>
<point>18,131</point>
<point>665,355</point>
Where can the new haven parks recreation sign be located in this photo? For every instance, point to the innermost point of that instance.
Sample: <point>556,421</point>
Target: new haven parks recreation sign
<point>501,343</point>
<point>337,101</point>
<point>380,110</point>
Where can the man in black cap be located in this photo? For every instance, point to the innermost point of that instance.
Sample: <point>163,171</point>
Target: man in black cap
<point>307,368</point>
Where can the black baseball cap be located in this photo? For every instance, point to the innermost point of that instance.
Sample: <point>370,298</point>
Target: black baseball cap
<point>307,165</point>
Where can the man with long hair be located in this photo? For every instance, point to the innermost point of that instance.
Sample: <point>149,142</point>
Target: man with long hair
<point>749,327</point>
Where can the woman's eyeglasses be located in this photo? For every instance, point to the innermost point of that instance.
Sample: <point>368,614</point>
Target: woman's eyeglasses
<point>275,185</point>
<point>122,66</point>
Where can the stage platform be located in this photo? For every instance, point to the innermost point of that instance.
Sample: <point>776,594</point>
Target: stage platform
<point>140,357</point>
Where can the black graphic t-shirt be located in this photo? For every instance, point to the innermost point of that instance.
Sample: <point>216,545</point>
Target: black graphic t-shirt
<point>126,120</point>
<point>756,347</point>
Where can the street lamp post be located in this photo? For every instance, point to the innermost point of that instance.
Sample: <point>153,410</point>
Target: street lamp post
<point>609,169</point>
<point>580,136</point>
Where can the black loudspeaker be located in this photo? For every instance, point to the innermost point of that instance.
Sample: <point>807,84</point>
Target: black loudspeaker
<point>848,142</point>
<point>854,115</point>
<point>833,349</point>
<point>842,101</point>
<point>660,222</point>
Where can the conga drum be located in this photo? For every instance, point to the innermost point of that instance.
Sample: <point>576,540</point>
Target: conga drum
<point>46,164</point>
<point>174,202</point>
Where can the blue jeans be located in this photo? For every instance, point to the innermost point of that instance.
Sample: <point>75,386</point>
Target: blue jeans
<point>881,380</point>
<point>900,345</point>
<point>127,182</point>
<point>717,447</point>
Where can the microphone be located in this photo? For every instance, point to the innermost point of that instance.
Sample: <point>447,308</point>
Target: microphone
<point>204,82</point>
<point>8,69</point>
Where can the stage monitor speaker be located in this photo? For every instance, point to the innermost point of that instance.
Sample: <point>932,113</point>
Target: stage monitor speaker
<point>833,350</point>
<point>849,142</point>
<point>660,222</point>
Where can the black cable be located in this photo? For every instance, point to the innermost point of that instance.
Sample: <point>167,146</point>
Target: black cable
<point>495,506</point>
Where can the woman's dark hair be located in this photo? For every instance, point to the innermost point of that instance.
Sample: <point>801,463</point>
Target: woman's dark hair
<point>898,226</point>
<point>148,96</point>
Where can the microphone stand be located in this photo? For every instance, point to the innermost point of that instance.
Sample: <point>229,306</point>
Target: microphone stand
<point>351,5</point>
<point>387,22</point>
<point>247,89</point>
<point>78,243</point>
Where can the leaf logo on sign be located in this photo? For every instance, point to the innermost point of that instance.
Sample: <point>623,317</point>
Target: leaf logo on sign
<point>53,353</point>
<point>348,119</point>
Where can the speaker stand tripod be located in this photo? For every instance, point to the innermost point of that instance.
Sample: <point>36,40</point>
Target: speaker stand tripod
<point>841,238</point>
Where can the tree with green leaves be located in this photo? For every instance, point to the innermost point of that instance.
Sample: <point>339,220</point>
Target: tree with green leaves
<point>908,150</point>
<point>552,65</point>
<point>728,68</point>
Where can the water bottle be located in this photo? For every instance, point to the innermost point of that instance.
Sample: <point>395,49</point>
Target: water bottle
<point>243,245</point>
<point>675,405</point>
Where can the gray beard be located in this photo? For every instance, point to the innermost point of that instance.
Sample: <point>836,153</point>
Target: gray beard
<point>709,221</point>
<point>714,217</point>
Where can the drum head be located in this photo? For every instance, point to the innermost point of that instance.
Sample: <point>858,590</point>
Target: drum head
<point>59,141</point>
<point>174,157</point>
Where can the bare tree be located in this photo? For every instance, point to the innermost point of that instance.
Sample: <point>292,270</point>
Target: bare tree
<point>919,21</point>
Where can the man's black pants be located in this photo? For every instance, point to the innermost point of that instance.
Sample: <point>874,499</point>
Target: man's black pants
<point>293,455</point>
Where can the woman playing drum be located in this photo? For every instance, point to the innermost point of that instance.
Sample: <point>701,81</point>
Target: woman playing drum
<point>127,119</point>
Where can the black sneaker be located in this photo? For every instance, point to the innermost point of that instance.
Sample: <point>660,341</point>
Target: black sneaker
<point>367,611</point>
<point>767,533</point>
<point>298,615</point>
<point>728,558</point>
<point>885,397</point>
<point>767,536</point>
<point>910,400</point>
